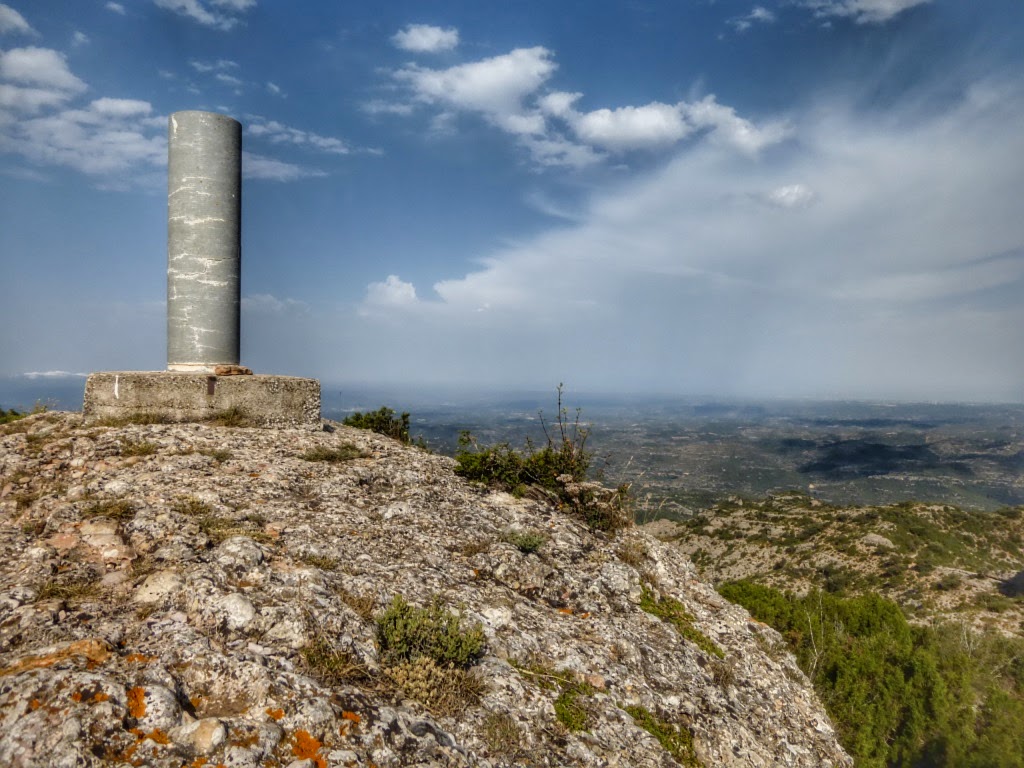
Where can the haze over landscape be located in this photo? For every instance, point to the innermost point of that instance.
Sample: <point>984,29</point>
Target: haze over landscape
<point>811,198</point>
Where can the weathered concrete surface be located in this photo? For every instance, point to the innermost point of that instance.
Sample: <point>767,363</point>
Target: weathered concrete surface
<point>264,401</point>
<point>204,235</point>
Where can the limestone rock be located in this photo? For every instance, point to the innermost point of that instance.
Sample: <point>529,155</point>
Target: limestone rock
<point>236,622</point>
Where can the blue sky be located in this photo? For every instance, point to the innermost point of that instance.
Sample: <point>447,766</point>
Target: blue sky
<point>807,198</point>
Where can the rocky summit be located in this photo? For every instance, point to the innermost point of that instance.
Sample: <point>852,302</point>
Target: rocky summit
<point>203,595</point>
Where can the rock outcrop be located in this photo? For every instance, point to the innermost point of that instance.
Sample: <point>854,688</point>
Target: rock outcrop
<point>195,595</point>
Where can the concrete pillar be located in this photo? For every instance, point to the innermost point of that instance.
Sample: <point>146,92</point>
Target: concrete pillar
<point>204,231</point>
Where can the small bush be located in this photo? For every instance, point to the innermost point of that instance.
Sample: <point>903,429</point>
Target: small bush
<point>525,541</point>
<point>129,448</point>
<point>404,633</point>
<point>118,509</point>
<point>6,417</point>
<point>382,421</point>
<point>570,711</point>
<point>331,665</point>
<point>444,690</point>
<point>70,589</point>
<point>344,452</point>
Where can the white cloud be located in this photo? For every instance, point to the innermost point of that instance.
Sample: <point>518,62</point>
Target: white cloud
<point>277,133</point>
<point>115,8</point>
<point>12,21</point>
<point>260,167</point>
<point>381,107</point>
<point>198,12</point>
<point>791,196</point>
<point>221,65</point>
<point>728,128</point>
<point>853,264</point>
<point>121,107</point>
<point>51,374</point>
<point>228,79</point>
<point>494,87</point>
<point>267,304</point>
<point>79,38</point>
<point>653,125</point>
<point>757,15</point>
<point>424,38</point>
<point>393,292</point>
<point>863,11</point>
<point>38,67</point>
<point>29,100</point>
<point>275,89</point>
<point>506,91</point>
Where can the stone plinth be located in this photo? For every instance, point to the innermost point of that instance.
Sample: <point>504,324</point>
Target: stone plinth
<point>262,401</point>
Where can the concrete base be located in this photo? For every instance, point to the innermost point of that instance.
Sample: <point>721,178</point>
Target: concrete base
<point>263,401</point>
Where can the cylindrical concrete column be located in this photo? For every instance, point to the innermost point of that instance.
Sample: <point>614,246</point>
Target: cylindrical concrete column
<point>204,235</point>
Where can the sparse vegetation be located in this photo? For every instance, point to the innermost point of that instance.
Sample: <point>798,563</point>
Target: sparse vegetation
<point>329,664</point>
<point>117,509</point>
<point>557,470</point>
<point>675,739</point>
<point>142,448</point>
<point>670,610</point>
<point>220,455</point>
<point>445,690</point>
<point>70,589</point>
<point>140,419</point>
<point>570,706</point>
<point>344,452</point>
<point>383,421</point>
<point>323,562</point>
<point>525,541</point>
<point>231,417</point>
<point>502,734</point>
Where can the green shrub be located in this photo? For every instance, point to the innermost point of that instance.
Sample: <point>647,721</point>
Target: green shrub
<point>382,421</point>
<point>570,710</point>
<point>404,633</point>
<point>10,415</point>
<point>670,610</point>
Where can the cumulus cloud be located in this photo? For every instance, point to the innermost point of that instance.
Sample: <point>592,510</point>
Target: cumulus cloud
<point>424,38</point>
<point>862,11</point>
<point>506,91</point>
<point>791,196</point>
<point>39,67</point>
<point>79,38</point>
<point>393,292</point>
<point>28,100</point>
<point>115,8</point>
<point>12,21</point>
<point>494,87</point>
<point>201,14</point>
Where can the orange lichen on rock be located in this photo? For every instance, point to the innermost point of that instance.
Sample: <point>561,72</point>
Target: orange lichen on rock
<point>94,651</point>
<point>137,702</point>
<point>76,696</point>
<point>139,658</point>
<point>276,714</point>
<point>35,704</point>
<point>351,716</point>
<point>307,747</point>
<point>158,736</point>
